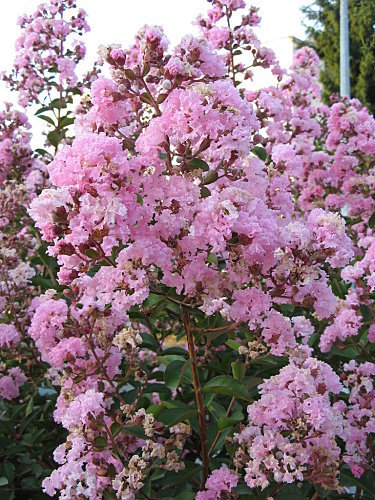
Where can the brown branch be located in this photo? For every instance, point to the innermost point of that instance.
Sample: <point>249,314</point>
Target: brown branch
<point>231,40</point>
<point>171,299</point>
<point>226,414</point>
<point>154,104</point>
<point>199,400</point>
<point>219,433</point>
<point>45,264</point>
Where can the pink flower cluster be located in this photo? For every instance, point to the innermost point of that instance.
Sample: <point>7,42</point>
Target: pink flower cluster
<point>48,42</point>
<point>239,45</point>
<point>20,176</point>
<point>293,428</point>
<point>359,414</point>
<point>16,157</point>
<point>11,382</point>
<point>221,481</point>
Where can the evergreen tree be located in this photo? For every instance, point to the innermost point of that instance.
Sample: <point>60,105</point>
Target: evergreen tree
<point>322,20</point>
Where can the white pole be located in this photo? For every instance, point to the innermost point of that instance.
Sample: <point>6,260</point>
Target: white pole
<point>344,49</point>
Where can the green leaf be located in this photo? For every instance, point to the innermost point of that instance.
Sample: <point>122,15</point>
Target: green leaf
<point>42,110</point>
<point>161,98</point>
<point>58,103</point>
<point>148,341</point>
<point>100,442</point>
<point>322,492</point>
<point>238,370</point>
<point>216,409</point>
<point>47,119</point>
<point>185,495</point>
<point>41,152</point>
<point>366,312</point>
<point>260,152</point>
<point>371,221</point>
<point>224,384</point>
<point>135,430</point>
<point>3,481</point>
<point>156,388</point>
<point>198,163</point>
<point>129,73</point>
<point>233,344</point>
<point>8,469</point>
<point>175,372</point>
<point>224,422</point>
<point>213,335</point>
<point>46,283</point>
<point>212,258</point>
<point>162,155</point>
<point>147,488</point>
<point>172,416</point>
<point>347,479</point>
<point>66,121</point>
<point>53,138</point>
<point>349,352</point>
<point>115,428</point>
<point>174,478</point>
<point>109,495</point>
<point>252,382</point>
<point>177,351</point>
<point>205,192</point>
<point>153,299</point>
<point>211,177</point>
<point>172,375</point>
<point>29,407</point>
<point>145,98</point>
<point>156,410</point>
<point>295,492</point>
<point>169,358</point>
<point>139,199</point>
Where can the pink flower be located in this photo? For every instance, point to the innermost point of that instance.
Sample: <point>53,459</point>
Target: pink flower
<point>220,481</point>
<point>10,383</point>
<point>91,403</point>
<point>9,335</point>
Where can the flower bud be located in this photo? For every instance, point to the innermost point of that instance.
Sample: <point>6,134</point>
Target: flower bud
<point>118,57</point>
<point>167,84</point>
<point>278,476</point>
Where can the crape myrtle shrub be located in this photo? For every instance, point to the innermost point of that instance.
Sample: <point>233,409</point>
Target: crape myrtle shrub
<point>187,275</point>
